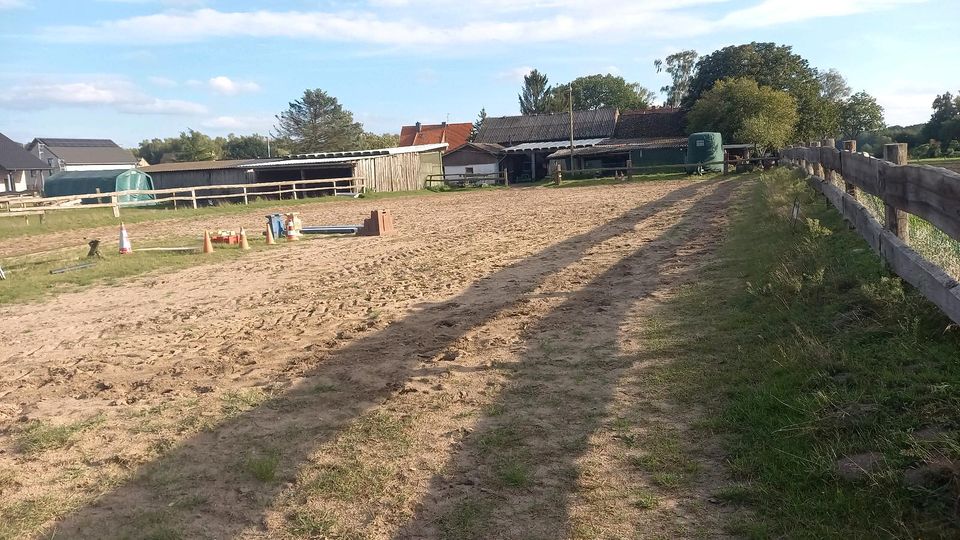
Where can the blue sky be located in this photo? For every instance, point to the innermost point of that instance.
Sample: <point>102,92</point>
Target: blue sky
<point>135,69</point>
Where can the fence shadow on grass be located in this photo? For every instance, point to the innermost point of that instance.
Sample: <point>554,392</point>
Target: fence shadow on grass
<point>516,474</point>
<point>200,488</point>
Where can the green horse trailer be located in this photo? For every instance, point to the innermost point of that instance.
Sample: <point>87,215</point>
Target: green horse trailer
<point>109,181</point>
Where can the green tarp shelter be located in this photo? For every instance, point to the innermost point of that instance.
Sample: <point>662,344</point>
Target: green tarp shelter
<point>87,183</point>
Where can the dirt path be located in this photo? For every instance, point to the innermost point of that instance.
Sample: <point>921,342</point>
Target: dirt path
<point>474,376</point>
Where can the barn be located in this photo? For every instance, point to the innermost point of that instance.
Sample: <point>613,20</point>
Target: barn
<point>473,158</point>
<point>201,173</point>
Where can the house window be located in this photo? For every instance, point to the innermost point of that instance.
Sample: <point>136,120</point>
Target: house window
<point>469,170</point>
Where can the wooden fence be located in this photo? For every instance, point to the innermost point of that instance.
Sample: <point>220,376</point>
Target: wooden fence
<point>469,179</point>
<point>931,193</point>
<point>187,196</point>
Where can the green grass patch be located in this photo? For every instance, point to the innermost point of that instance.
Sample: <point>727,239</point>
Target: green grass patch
<point>348,480</point>
<point>29,277</point>
<point>466,520</point>
<point>238,401</point>
<point>38,436</point>
<point>19,519</point>
<point>263,466</point>
<point>308,524</point>
<point>803,349</point>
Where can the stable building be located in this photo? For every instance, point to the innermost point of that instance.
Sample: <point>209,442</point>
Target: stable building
<point>528,140</point>
<point>473,159</point>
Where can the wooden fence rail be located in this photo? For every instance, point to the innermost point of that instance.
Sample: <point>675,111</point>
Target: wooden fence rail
<point>931,193</point>
<point>188,195</point>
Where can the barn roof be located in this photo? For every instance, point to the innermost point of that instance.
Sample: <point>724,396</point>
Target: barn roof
<point>512,130</point>
<point>14,158</point>
<point>344,157</point>
<point>453,134</point>
<point>650,123</point>
<point>490,148</point>
<point>86,151</point>
<point>616,146</point>
<point>201,165</point>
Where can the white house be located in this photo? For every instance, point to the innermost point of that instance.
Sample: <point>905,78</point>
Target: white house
<point>19,170</point>
<point>473,158</point>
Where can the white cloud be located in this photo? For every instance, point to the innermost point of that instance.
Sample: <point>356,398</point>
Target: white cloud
<point>228,87</point>
<point>12,4</point>
<point>411,23</point>
<point>116,93</point>
<point>906,104</point>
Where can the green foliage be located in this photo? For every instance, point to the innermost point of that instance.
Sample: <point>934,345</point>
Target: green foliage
<point>600,92</point>
<point>860,113</point>
<point>195,146</point>
<point>477,124</point>
<point>317,122</point>
<point>777,67</point>
<point>745,112</point>
<point>833,87</point>
<point>373,141</point>
<point>681,67</point>
<point>246,147</point>
<point>535,93</point>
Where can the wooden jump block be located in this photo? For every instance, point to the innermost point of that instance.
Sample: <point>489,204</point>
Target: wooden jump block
<point>380,223</point>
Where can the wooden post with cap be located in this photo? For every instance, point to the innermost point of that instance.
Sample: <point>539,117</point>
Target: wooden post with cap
<point>898,221</point>
<point>850,146</point>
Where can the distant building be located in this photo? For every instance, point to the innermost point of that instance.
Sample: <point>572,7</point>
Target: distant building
<point>473,158</point>
<point>454,135</point>
<point>19,170</point>
<point>82,154</point>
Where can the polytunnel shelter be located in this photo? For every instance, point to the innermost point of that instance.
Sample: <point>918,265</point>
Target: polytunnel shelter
<point>109,181</point>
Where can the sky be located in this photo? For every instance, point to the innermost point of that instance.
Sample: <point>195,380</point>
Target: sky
<point>130,70</point>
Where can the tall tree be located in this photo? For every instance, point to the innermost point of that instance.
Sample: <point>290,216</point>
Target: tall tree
<point>833,86</point>
<point>600,92</point>
<point>536,91</point>
<point>477,124</point>
<point>860,113</point>
<point>777,67</point>
<point>681,67</point>
<point>318,123</point>
<point>945,109</point>
<point>745,112</point>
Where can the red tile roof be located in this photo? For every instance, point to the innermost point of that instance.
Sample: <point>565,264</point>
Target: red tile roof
<point>453,134</point>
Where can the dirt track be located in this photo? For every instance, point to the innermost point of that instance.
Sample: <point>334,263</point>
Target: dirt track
<point>376,371</point>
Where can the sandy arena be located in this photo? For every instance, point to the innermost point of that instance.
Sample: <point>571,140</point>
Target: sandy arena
<point>461,379</point>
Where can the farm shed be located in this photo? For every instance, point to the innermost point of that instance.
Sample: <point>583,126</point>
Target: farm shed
<point>386,169</point>
<point>87,182</point>
<point>473,158</point>
<point>81,154</point>
<point>202,173</point>
<point>614,153</point>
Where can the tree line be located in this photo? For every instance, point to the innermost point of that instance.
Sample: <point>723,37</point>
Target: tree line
<point>761,93</point>
<point>315,122</point>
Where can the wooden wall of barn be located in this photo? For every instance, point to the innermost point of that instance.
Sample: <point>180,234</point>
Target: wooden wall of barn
<point>400,172</point>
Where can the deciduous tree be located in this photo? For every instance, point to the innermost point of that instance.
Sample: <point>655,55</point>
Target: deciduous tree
<point>681,67</point>
<point>745,112</point>
<point>860,113</point>
<point>600,92</point>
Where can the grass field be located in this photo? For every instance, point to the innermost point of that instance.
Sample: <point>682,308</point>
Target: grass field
<point>820,365</point>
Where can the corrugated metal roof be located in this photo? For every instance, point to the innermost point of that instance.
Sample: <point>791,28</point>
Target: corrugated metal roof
<point>373,153</point>
<point>513,130</point>
<point>201,165</point>
<point>650,123</point>
<point>551,145</point>
<point>13,157</point>
<point>614,146</point>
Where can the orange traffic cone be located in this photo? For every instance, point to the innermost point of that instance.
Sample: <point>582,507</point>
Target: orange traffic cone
<point>125,247</point>
<point>270,239</point>
<point>207,244</point>
<point>244,244</point>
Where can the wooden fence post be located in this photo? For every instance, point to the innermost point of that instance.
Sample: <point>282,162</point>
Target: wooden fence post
<point>828,172</point>
<point>193,198</point>
<point>850,146</point>
<point>898,221</point>
<point>246,200</point>
<point>815,168</point>
<point>115,201</point>
<point>629,169</point>
<point>506,178</point>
